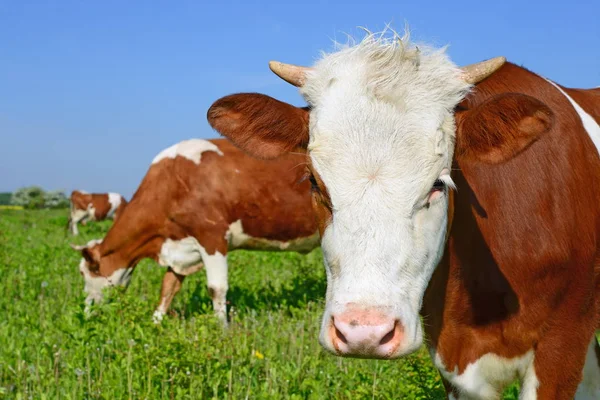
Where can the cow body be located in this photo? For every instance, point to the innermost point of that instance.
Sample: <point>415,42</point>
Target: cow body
<point>520,278</point>
<point>199,200</point>
<point>504,271</point>
<point>94,207</point>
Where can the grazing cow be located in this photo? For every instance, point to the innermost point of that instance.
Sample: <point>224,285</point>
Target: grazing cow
<point>93,207</point>
<point>393,129</point>
<point>200,199</point>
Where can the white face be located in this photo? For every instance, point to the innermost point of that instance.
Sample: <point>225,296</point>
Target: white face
<point>95,284</point>
<point>384,157</point>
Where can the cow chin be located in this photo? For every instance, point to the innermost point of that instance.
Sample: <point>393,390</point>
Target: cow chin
<point>371,332</point>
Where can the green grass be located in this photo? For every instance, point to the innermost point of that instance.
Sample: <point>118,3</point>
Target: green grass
<point>50,350</point>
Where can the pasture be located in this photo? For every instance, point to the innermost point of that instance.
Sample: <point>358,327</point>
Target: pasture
<point>51,350</point>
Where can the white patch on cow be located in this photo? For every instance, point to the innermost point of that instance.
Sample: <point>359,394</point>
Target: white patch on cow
<point>381,132</point>
<point>191,149</point>
<point>216,276</point>
<point>91,213</point>
<point>158,316</point>
<point>185,254</point>
<point>160,312</point>
<point>589,123</point>
<point>489,375</point>
<point>589,388</point>
<point>77,216</point>
<point>115,201</point>
<point>238,239</point>
<point>181,254</point>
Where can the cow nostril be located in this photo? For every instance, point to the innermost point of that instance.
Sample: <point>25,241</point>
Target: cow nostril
<point>389,336</point>
<point>340,336</point>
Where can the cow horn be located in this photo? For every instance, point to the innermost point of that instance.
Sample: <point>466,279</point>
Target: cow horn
<point>477,72</point>
<point>293,74</point>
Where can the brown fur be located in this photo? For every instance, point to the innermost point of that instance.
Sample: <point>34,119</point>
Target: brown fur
<point>272,127</point>
<point>521,269</point>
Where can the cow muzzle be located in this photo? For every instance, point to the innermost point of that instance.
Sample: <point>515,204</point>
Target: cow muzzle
<point>366,333</point>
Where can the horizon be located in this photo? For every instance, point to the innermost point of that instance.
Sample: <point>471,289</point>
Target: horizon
<point>95,91</point>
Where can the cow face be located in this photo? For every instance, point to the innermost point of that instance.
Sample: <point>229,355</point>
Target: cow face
<point>95,277</point>
<point>379,142</point>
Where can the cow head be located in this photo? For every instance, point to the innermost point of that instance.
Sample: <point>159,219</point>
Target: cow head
<point>97,273</point>
<point>379,134</point>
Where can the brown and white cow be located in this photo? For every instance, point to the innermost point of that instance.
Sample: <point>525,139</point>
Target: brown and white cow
<point>93,207</point>
<point>199,200</point>
<point>516,291</point>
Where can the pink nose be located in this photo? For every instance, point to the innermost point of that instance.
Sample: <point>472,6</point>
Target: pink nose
<point>366,333</point>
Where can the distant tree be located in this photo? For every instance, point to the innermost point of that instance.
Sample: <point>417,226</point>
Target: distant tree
<point>5,198</point>
<point>56,199</point>
<point>30,197</point>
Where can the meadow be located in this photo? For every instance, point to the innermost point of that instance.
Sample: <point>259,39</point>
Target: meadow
<point>49,349</point>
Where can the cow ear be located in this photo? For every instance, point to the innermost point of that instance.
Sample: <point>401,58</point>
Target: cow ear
<point>86,253</point>
<point>260,125</point>
<point>501,127</point>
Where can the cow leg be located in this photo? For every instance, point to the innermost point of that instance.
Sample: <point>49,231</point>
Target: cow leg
<point>73,225</point>
<point>216,276</point>
<point>171,284</point>
<point>589,388</point>
<point>559,361</point>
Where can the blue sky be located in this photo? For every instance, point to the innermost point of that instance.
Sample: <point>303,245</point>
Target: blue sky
<point>92,90</point>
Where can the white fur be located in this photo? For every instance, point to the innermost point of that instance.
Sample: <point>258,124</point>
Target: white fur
<point>91,213</point>
<point>589,388</point>
<point>191,149</point>
<point>589,123</point>
<point>76,217</point>
<point>181,254</point>
<point>115,201</point>
<point>160,312</point>
<point>381,132</point>
<point>487,377</point>
<point>216,276</point>
<point>237,238</point>
<point>185,254</point>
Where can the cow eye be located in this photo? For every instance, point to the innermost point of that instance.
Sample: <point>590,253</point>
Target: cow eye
<point>438,185</point>
<point>314,186</point>
<point>313,183</point>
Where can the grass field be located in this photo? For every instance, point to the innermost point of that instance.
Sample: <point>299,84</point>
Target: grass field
<point>50,350</point>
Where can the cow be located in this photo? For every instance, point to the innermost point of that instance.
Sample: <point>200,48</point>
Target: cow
<point>199,200</point>
<point>93,207</point>
<point>505,270</point>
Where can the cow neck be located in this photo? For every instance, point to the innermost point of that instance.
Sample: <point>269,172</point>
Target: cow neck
<point>130,239</point>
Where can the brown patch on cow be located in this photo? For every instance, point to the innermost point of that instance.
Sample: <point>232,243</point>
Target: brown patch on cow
<point>501,127</point>
<point>520,268</point>
<point>91,254</point>
<point>321,201</point>
<point>260,125</point>
<point>588,99</point>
